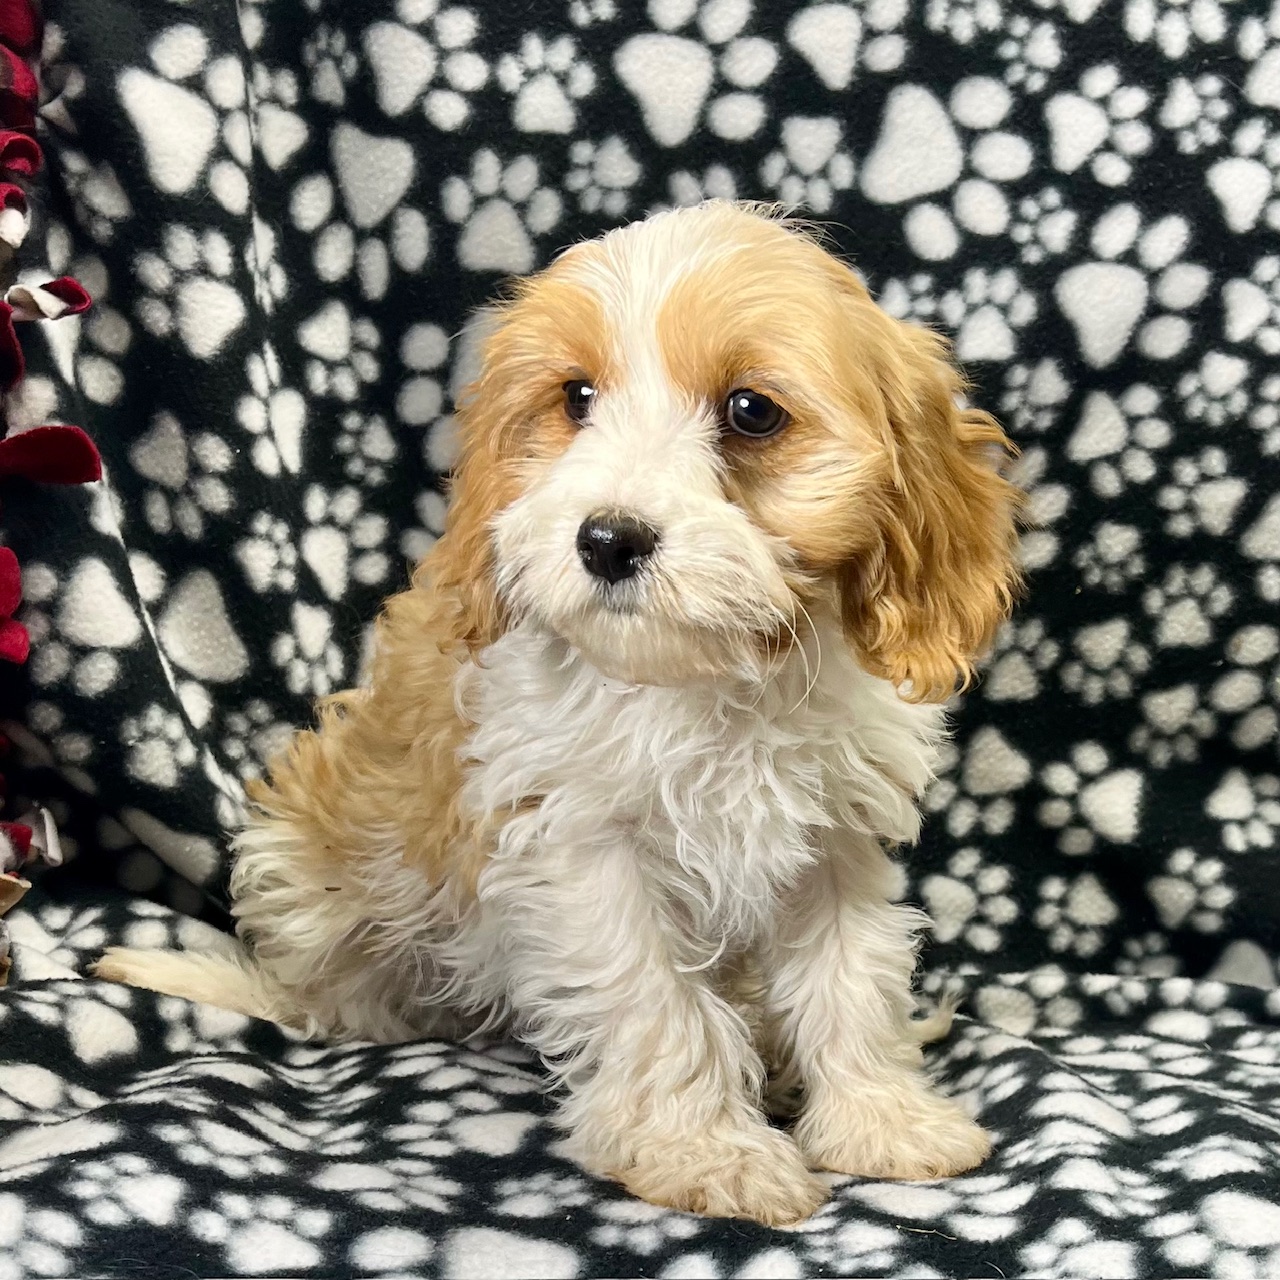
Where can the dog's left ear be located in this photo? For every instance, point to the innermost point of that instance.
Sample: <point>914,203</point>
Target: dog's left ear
<point>923,604</point>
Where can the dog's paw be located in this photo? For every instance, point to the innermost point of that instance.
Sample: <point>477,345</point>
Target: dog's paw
<point>756,1174</point>
<point>903,1131</point>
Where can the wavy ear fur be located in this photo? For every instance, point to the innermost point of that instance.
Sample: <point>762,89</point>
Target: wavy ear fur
<point>924,604</point>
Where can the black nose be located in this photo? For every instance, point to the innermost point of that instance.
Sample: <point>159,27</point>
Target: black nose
<point>612,546</point>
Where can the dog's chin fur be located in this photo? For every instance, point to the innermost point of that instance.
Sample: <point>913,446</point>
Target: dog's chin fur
<point>643,826</point>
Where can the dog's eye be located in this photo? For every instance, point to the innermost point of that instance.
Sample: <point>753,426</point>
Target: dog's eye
<point>751,414</point>
<point>579,396</point>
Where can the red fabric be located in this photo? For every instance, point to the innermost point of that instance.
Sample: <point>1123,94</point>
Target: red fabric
<point>19,25</point>
<point>15,643</point>
<point>70,291</point>
<point>51,455</point>
<point>12,365</point>
<point>10,582</point>
<point>12,196</point>
<point>19,835</point>
<point>18,81</point>
<point>20,152</point>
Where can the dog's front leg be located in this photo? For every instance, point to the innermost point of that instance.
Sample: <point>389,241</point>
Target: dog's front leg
<point>838,981</point>
<point>663,1083</point>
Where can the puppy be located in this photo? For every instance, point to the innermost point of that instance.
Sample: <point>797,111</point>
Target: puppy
<point>721,540</point>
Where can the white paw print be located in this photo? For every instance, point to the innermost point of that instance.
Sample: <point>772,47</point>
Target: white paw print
<point>1137,265</point>
<point>187,475</point>
<point>1047,502</point>
<point>235,1153</point>
<point>427,57</point>
<point>602,175</point>
<point>1175,725</point>
<point>1264,417</point>
<point>367,447</point>
<point>1186,604</point>
<point>1109,660</point>
<point>1075,914</point>
<point>430,509</point>
<point>274,414</point>
<point>1248,806</point>
<point>717,52</point>
<point>964,20</point>
<point>987,312</point>
<point>268,555</point>
<point>243,1225</point>
<point>1033,395</point>
<point>341,246</point>
<point>1243,689</point>
<point>716,182</point>
<point>252,736</point>
<point>1195,112</point>
<point>331,62</point>
<point>400,1185</point>
<point>189,290</point>
<point>1253,306</point>
<point>312,663</point>
<point>810,167</point>
<point>343,351</point>
<point>541,1195</point>
<point>97,198</point>
<point>1116,439</point>
<point>343,542</point>
<point>983,156</point>
<point>1023,652</point>
<point>1191,893</point>
<point>586,13</point>
<point>501,209</point>
<point>35,1238</point>
<point>1042,227</point>
<point>424,348</point>
<point>214,145</point>
<point>270,284</point>
<point>1213,391</point>
<point>124,1188</point>
<point>1148,956</point>
<point>1101,124</point>
<point>159,751</point>
<point>639,1227</point>
<point>971,902</point>
<point>1247,183</point>
<point>1174,26</point>
<point>1030,50</point>
<point>68,749</point>
<point>1202,496</point>
<point>1112,558</point>
<point>1088,799</point>
<point>547,77</point>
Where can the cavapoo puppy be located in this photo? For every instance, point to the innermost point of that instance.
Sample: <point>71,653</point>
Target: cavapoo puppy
<point>722,538</point>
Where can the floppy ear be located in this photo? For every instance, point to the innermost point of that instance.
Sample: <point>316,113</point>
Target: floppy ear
<point>460,567</point>
<point>924,603</point>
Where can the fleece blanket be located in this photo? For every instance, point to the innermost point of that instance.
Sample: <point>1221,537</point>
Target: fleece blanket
<point>283,213</point>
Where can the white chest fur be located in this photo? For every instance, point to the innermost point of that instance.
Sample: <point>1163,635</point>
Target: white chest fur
<point>722,794</point>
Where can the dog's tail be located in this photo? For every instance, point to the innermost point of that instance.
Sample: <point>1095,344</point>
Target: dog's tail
<point>231,981</point>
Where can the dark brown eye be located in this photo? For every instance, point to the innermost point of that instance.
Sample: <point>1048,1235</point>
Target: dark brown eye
<point>751,414</point>
<point>579,396</point>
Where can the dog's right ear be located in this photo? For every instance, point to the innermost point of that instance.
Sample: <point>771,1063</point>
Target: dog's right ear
<point>460,567</point>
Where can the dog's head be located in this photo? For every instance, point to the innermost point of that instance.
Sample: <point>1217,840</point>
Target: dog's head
<point>690,433</point>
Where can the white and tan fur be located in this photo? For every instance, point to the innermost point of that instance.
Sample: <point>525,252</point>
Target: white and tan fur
<point>645,830</point>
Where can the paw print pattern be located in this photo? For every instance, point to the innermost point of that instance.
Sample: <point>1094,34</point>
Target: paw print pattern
<point>367,447</point>
<point>1175,725</point>
<point>159,752</point>
<point>1101,125</point>
<point>343,350</point>
<point>1252,306</point>
<point>500,208</point>
<point>239,1224</point>
<point>1042,227</point>
<point>1118,438</point>
<point>424,348</point>
<point>1195,112</point>
<point>1202,497</point>
<point>1030,51</point>
<point>343,542</point>
<point>342,246</point>
<point>1246,183</point>
<point>189,290</point>
<point>1186,604</point>
<point>986,313</point>
<point>971,902</point>
<point>541,1196</point>
<point>1191,894</point>
<point>38,1242</point>
<point>1128,253</point>
<point>641,1228</point>
<point>963,20</point>
<point>602,175</point>
<point>268,556</point>
<point>331,63</point>
<point>1248,806</point>
<point>1242,690</point>
<point>252,736</point>
<point>1213,391</point>
<point>98,200</point>
<point>810,166</point>
<point>187,475</point>
<point>587,13</point>
<point>427,57</point>
<point>716,51</point>
<point>1088,799</point>
<point>1033,395</point>
<point>312,663</point>
<point>1108,660</point>
<point>68,749</point>
<point>1112,558</point>
<point>125,1187</point>
<point>1074,914</point>
<point>1264,417</point>
<point>1023,653</point>
<point>1148,956</point>
<point>716,182</point>
<point>274,414</point>
<point>546,79</point>
<point>1174,27</point>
